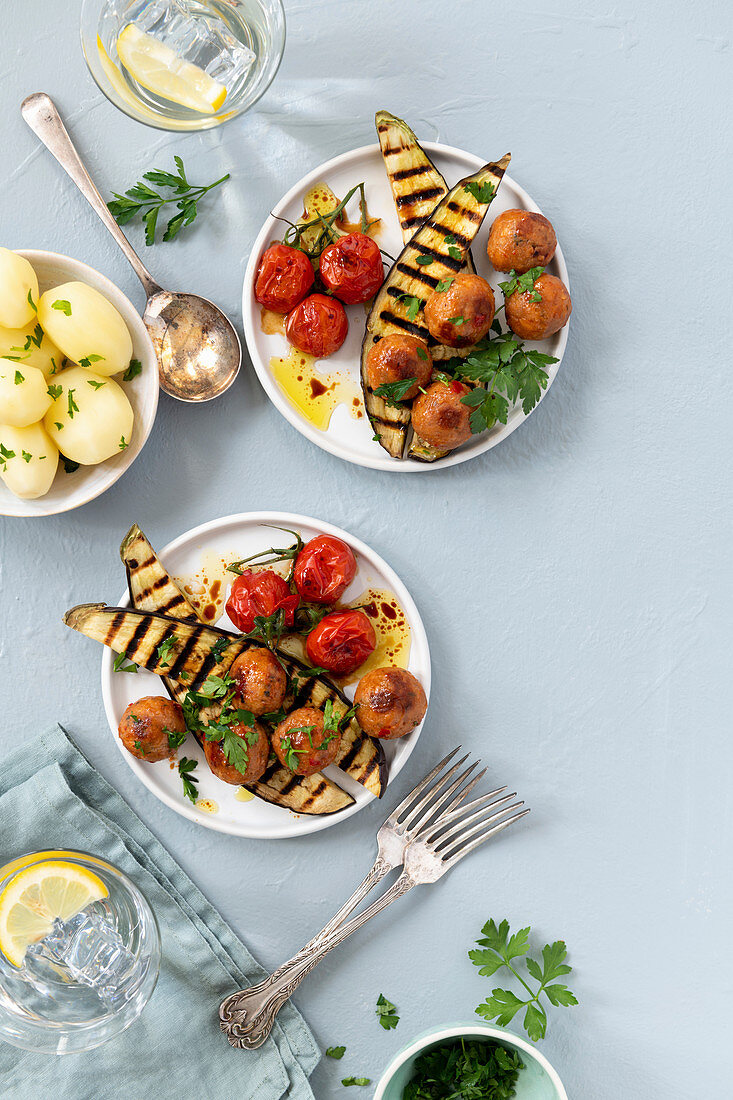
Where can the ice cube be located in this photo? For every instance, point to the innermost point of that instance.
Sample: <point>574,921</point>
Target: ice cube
<point>92,952</point>
<point>204,40</point>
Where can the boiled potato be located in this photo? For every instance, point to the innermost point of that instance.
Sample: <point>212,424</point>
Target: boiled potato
<point>86,327</point>
<point>90,418</point>
<point>28,460</point>
<point>17,281</point>
<point>32,346</point>
<point>24,397</point>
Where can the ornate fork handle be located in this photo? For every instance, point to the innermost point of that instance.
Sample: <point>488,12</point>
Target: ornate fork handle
<point>247,1017</point>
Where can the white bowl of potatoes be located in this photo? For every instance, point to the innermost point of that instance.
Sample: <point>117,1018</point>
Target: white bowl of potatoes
<point>78,383</point>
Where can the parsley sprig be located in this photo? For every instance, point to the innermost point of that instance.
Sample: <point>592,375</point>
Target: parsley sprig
<point>186,768</point>
<point>497,949</point>
<point>505,372</point>
<point>220,728</point>
<point>143,200</point>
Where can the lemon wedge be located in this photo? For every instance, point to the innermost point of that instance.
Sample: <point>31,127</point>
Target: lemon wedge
<point>159,69</point>
<point>36,896</point>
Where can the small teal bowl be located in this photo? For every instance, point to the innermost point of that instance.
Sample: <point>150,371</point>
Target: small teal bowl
<point>537,1081</point>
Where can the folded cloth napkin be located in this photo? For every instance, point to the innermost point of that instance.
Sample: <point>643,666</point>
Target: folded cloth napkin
<point>51,797</point>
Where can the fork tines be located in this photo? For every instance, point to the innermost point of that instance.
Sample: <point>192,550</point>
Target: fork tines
<point>458,833</point>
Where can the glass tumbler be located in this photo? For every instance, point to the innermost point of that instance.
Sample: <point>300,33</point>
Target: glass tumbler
<point>89,979</point>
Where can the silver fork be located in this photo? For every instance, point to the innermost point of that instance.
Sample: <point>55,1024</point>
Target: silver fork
<point>436,832</point>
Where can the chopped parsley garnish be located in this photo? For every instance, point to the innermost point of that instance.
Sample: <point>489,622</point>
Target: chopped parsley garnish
<point>455,253</point>
<point>164,650</point>
<point>95,385</point>
<point>412,305</point>
<point>523,283</point>
<point>186,768</point>
<point>55,391</point>
<point>123,443</point>
<point>335,1052</point>
<point>89,359</point>
<point>60,428</point>
<point>133,370</point>
<point>422,354</point>
<point>457,320</point>
<point>26,456</point>
<point>482,192</point>
<point>464,1069</point>
<point>175,737</point>
<point>424,261</point>
<point>444,284</point>
<point>219,728</point>
<point>19,378</point>
<point>387,1013</point>
<point>218,648</point>
<point>5,455</point>
<point>71,404</point>
<point>291,753</point>
<point>356,1081</point>
<point>394,392</point>
<point>62,306</point>
<point>139,747</point>
<point>31,303</point>
<point>119,663</point>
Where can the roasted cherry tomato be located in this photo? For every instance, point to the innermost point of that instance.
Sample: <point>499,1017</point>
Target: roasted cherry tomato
<point>341,642</point>
<point>260,593</point>
<point>318,326</point>
<point>324,569</point>
<point>284,277</point>
<point>352,268</point>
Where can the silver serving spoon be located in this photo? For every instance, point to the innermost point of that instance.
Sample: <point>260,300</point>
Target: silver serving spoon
<point>199,354</point>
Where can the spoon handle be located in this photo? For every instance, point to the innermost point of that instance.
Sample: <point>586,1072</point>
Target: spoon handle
<point>39,111</point>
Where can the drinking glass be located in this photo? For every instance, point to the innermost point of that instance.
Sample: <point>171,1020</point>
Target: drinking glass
<point>91,977</point>
<point>238,42</point>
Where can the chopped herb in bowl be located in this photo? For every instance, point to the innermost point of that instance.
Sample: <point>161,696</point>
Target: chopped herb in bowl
<point>465,1069</point>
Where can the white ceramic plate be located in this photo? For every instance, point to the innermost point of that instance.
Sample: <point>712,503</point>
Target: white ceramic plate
<point>345,437</point>
<point>238,537</point>
<point>72,490</point>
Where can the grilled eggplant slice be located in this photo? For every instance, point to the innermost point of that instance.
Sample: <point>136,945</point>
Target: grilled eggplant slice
<point>361,757</point>
<point>458,216</point>
<point>139,633</point>
<point>417,185</point>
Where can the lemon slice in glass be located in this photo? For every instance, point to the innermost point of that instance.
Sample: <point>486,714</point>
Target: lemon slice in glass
<point>159,69</point>
<point>37,895</point>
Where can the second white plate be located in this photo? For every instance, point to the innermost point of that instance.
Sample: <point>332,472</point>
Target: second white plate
<point>346,437</point>
<point>232,538</point>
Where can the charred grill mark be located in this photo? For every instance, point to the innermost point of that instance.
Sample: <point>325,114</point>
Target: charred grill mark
<point>462,212</point>
<point>419,196</point>
<point>418,273</point>
<point>138,635</point>
<point>400,322</point>
<point>116,623</point>
<point>459,238</point>
<point>415,219</point>
<point>317,793</point>
<point>410,173</point>
<point>395,425</point>
<point>179,663</point>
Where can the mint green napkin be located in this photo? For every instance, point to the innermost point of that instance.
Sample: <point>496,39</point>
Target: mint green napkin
<point>51,796</point>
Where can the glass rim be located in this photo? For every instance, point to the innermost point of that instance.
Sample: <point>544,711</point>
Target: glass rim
<point>194,125</point>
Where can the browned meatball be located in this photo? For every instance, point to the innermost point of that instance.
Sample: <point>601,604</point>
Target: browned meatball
<point>438,416</point>
<point>146,724</point>
<point>260,679</point>
<point>536,320</point>
<point>519,240</point>
<point>256,746</point>
<point>395,358</point>
<point>462,314</point>
<point>302,744</point>
<point>391,703</point>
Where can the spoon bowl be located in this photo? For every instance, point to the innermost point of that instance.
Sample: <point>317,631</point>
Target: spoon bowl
<point>197,346</point>
<point>198,349</point>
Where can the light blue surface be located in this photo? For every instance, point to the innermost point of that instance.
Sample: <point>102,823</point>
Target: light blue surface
<point>575,582</point>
